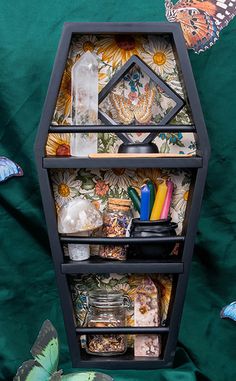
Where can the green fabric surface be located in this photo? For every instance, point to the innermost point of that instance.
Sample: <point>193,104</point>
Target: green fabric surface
<point>29,35</point>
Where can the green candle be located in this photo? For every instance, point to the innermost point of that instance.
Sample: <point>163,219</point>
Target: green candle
<point>152,193</point>
<point>133,194</point>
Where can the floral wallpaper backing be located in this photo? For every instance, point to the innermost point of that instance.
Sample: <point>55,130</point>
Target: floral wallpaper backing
<point>97,185</point>
<point>125,283</point>
<point>112,52</point>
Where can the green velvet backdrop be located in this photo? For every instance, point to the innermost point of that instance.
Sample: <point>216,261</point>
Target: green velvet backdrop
<point>29,34</point>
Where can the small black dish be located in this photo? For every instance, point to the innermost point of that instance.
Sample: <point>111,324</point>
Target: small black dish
<point>152,229</point>
<point>138,148</point>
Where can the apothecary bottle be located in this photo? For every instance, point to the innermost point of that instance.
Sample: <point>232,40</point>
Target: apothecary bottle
<point>116,219</point>
<point>106,310</point>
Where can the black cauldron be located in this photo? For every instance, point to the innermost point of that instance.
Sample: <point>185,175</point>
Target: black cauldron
<point>152,229</point>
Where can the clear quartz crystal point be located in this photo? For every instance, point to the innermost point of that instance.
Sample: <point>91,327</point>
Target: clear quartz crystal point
<point>84,97</point>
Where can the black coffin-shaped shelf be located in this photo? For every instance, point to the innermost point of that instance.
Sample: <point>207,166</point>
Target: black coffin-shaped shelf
<point>196,166</point>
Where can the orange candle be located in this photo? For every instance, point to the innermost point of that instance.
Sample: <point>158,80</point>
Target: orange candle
<point>159,201</point>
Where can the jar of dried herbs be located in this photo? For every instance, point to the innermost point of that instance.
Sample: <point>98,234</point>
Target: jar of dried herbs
<point>116,219</point>
<point>106,310</point>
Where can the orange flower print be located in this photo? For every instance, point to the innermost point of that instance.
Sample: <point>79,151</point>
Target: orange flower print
<point>101,188</point>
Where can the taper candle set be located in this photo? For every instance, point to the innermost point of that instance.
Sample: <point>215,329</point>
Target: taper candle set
<point>154,202</point>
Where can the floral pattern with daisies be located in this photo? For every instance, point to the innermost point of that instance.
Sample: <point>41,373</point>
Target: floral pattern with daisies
<point>127,284</point>
<point>112,52</point>
<point>97,185</point>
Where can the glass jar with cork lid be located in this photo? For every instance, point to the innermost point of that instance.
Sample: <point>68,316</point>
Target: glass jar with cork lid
<point>116,220</point>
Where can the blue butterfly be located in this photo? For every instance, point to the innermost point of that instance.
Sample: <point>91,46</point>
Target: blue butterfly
<point>8,169</point>
<point>46,356</point>
<point>229,311</point>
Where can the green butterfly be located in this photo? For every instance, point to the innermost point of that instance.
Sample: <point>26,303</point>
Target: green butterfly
<point>46,356</point>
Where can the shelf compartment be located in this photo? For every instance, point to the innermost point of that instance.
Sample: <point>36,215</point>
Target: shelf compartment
<point>99,265</point>
<point>119,241</point>
<point>58,129</point>
<point>150,162</point>
<point>121,330</point>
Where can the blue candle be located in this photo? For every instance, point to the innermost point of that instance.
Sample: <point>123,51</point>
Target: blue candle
<point>145,203</point>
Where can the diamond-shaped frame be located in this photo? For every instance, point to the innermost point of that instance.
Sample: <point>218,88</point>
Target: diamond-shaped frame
<point>119,75</point>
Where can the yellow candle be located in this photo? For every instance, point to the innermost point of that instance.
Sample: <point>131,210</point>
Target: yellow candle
<point>159,201</point>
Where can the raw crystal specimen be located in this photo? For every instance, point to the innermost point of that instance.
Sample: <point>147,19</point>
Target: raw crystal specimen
<point>146,314</point>
<point>84,99</point>
<point>148,346</point>
<point>78,215</point>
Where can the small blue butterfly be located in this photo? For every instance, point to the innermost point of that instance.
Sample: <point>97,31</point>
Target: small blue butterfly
<point>44,365</point>
<point>8,169</point>
<point>229,311</point>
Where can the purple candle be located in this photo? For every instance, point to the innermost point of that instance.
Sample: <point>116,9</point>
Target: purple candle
<point>145,203</point>
<point>166,206</point>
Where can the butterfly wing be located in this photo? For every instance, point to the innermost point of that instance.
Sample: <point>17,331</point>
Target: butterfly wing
<point>225,12</point>
<point>229,311</point>
<point>46,349</point>
<point>8,169</point>
<point>199,29</point>
<point>207,6</point>
<point>56,376</point>
<point>122,107</point>
<point>86,376</point>
<point>31,370</point>
<point>143,109</point>
<point>201,21</point>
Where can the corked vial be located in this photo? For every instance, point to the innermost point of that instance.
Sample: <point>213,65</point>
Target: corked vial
<point>116,220</point>
<point>106,310</point>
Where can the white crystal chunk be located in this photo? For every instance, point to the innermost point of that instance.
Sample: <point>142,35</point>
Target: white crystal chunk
<point>78,215</point>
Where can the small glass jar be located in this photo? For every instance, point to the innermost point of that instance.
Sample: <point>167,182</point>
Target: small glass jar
<point>116,220</point>
<point>106,310</point>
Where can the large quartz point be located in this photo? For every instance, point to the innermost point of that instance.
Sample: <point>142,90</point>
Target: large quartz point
<point>84,99</point>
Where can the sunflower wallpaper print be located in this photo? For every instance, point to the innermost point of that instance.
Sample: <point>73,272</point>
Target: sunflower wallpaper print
<point>112,52</point>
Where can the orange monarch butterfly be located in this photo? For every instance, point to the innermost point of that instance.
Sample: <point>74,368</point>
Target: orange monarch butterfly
<point>200,20</point>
